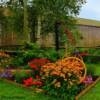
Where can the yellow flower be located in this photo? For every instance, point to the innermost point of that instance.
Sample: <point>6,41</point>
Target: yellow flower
<point>62,75</point>
<point>58,85</point>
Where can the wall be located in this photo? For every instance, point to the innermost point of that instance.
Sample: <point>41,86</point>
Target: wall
<point>91,35</point>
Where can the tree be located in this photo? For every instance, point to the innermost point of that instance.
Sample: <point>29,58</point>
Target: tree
<point>58,10</point>
<point>26,28</point>
<point>17,20</point>
<point>42,15</point>
<point>51,12</point>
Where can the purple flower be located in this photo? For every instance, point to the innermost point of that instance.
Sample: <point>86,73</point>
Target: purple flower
<point>6,74</point>
<point>88,80</point>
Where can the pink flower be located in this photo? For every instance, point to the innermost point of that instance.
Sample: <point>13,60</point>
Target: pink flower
<point>88,80</point>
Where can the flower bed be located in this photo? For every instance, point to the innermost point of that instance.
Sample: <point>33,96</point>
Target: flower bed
<point>63,79</point>
<point>58,79</point>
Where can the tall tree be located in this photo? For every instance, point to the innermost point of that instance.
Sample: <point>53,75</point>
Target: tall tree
<point>58,10</point>
<point>26,28</point>
<point>50,12</point>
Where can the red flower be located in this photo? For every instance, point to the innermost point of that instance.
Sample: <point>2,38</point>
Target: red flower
<point>28,82</point>
<point>84,54</point>
<point>33,66</point>
<point>37,83</point>
<point>38,77</point>
<point>39,61</point>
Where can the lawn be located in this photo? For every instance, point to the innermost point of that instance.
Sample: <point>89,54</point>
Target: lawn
<point>92,94</point>
<point>95,68</point>
<point>12,92</point>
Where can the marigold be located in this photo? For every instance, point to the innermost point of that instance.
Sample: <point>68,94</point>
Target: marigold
<point>65,68</point>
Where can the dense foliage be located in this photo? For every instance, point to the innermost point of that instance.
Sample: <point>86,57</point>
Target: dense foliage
<point>37,17</point>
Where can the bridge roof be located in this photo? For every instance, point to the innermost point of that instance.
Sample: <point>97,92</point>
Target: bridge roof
<point>88,22</point>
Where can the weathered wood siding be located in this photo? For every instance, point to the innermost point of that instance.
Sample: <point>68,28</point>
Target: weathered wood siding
<point>8,39</point>
<point>91,35</point>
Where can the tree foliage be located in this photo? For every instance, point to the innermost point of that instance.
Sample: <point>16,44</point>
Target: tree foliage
<point>57,10</point>
<point>49,11</point>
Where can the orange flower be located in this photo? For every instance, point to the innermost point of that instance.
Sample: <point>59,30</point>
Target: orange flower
<point>65,68</point>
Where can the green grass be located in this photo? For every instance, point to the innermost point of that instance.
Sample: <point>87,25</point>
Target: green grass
<point>10,91</point>
<point>92,94</point>
<point>95,68</point>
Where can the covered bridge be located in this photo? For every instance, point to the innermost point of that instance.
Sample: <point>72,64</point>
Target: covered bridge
<point>90,30</point>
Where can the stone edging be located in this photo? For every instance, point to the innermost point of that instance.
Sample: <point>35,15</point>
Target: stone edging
<point>87,89</point>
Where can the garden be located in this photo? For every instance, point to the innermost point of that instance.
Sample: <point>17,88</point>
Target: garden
<point>42,72</point>
<point>31,70</point>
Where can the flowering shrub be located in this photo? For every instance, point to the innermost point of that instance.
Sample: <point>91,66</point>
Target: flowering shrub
<point>39,61</point>
<point>6,74</point>
<point>35,64</point>
<point>5,62</point>
<point>3,54</point>
<point>61,76</point>
<point>22,75</point>
<point>65,69</point>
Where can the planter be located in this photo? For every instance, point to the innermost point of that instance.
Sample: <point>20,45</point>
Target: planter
<point>87,89</point>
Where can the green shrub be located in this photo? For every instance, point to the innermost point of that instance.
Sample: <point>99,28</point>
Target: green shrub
<point>91,59</point>
<point>64,93</point>
<point>91,69</point>
<point>23,58</point>
<point>5,62</point>
<point>31,51</point>
<point>21,75</point>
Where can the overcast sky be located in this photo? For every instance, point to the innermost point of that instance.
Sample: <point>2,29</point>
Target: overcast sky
<point>91,10</point>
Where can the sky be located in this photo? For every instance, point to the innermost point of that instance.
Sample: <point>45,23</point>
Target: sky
<point>91,10</point>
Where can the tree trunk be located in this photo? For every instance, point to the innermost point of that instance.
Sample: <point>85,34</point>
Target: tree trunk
<point>39,30</point>
<point>26,28</point>
<point>57,36</point>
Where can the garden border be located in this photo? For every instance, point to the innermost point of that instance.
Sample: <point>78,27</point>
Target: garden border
<point>23,86</point>
<point>15,70</point>
<point>40,90</point>
<point>87,89</point>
